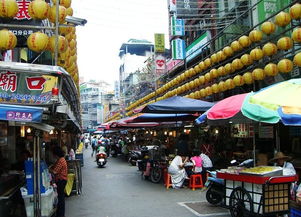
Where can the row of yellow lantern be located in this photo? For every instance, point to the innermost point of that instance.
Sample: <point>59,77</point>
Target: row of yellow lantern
<point>271,69</point>
<point>37,9</point>
<point>285,43</point>
<point>114,117</point>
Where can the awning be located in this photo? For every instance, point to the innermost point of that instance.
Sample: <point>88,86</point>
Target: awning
<point>20,113</point>
<point>149,117</point>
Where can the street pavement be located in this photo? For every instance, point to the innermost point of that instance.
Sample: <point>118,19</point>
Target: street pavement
<point>118,191</point>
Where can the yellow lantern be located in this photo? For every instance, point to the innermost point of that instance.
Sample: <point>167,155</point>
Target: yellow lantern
<point>192,72</point>
<point>238,80</point>
<point>271,69</point>
<point>285,66</point>
<point>255,35</point>
<point>227,51</point>
<point>297,59</point>
<point>285,43</point>
<point>187,86</point>
<point>221,71</point>
<point>191,84</point>
<point>268,27</point>
<point>229,84</point>
<point>62,14</point>
<point>213,73</point>
<point>203,93</point>
<point>256,54</point>
<point>228,68</point>
<point>258,74</point>
<point>73,52</point>
<point>8,40</point>
<point>69,11</point>
<point>37,42</point>
<point>62,44</point>
<point>65,30</point>
<point>295,11</point>
<point>282,19</point>
<point>248,79</point>
<point>269,49</point>
<point>220,56</point>
<point>237,64</point>
<point>207,63</point>
<point>65,3</point>
<point>221,86</point>
<point>202,65</point>
<point>235,45</point>
<point>196,82</point>
<point>38,9</point>
<point>186,74</point>
<point>202,80</point>
<point>296,35</point>
<point>207,77</point>
<point>214,58</point>
<point>197,69</point>
<point>246,59</point>
<point>8,8</point>
<point>182,77</point>
<point>208,91</point>
<point>244,41</point>
<point>214,88</point>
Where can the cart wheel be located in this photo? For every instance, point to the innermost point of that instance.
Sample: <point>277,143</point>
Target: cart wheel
<point>241,204</point>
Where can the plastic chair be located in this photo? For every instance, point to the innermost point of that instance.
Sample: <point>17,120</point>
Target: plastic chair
<point>167,179</point>
<point>196,181</point>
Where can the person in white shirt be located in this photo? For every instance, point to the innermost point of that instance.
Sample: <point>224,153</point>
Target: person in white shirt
<point>207,166</point>
<point>177,171</point>
<point>281,160</point>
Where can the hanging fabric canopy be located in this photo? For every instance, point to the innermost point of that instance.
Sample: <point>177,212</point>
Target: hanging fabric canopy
<point>161,118</point>
<point>177,104</point>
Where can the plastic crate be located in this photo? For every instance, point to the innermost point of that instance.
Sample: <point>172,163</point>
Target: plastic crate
<point>47,203</point>
<point>295,212</point>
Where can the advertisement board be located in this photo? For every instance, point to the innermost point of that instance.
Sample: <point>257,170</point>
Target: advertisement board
<point>25,88</point>
<point>194,48</point>
<point>177,27</point>
<point>266,8</point>
<point>178,49</point>
<point>159,43</point>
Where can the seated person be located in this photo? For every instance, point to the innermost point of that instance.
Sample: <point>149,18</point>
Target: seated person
<point>281,160</point>
<point>197,162</point>
<point>177,170</point>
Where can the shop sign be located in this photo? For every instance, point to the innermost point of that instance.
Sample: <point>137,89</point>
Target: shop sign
<point>178,49</point>
<point>172,5</point>
<point>196,47</point>
<point>266,8</point>
<point>160,63</point>
<point>23,10</point>
<point>242,131</point>
<point>172,64</point>
<point>266,132</point>
<point>159,43</point>
<point>18,116</point>
<point>177,27</point>
<point>187,7</point>
<point>22,88</point>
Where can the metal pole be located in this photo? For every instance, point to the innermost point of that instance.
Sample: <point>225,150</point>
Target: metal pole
<point>26,26</point>
<point>39,172</point>
<point>56,33</point>
<point>35,178</point>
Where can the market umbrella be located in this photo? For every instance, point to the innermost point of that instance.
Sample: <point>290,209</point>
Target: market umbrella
<point>177,104</point>
<point>161,118</point>
<point>282,100</point>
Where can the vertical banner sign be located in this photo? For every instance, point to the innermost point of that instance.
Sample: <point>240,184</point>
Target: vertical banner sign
<point>178,49</point>
<point>268,7</point>
<point>177,27</point>
<point>160,63</point>
<point>159,43</point>
<point>172,5</point>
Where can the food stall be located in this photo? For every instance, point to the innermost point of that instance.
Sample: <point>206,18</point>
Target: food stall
<point>259,191</point>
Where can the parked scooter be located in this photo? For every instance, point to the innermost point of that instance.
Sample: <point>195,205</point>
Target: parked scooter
<point>101,156</point>
<point>134,156</point>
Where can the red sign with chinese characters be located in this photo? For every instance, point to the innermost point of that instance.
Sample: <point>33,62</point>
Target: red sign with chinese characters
<point>23,10</point>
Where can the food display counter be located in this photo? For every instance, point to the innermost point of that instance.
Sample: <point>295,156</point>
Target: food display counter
<point>259,194</point>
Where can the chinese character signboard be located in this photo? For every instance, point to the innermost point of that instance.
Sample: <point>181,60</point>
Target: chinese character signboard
<point>194,48</point>
<point>160,64</point>
<point>177,27</point>
<point>159,43</point>
<point>23,10</point>
<point>266,8</point>
<point>173,64</point>
<point>178,49</point>
<point>21,88</point>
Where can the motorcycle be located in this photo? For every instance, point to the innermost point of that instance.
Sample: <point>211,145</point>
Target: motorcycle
<point>101,157</point>
<point>216,189</point>
<point>134,156</point>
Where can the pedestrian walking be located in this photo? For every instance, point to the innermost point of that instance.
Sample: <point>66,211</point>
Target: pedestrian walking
<point>93,145</point>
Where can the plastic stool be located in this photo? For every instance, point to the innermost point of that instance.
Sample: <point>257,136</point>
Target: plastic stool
<point>196,181</point>
<point>167,179</point>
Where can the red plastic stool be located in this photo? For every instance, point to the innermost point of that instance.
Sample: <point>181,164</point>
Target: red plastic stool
<point>167,179</point>
<point>196,181</point>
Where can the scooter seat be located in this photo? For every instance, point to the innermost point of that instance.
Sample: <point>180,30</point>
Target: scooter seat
<point>217,180</point>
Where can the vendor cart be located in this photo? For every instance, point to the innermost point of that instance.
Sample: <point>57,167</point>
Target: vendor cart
<point>253,195</point>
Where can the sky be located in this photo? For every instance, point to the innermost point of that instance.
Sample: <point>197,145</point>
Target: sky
<point>111,23</point>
